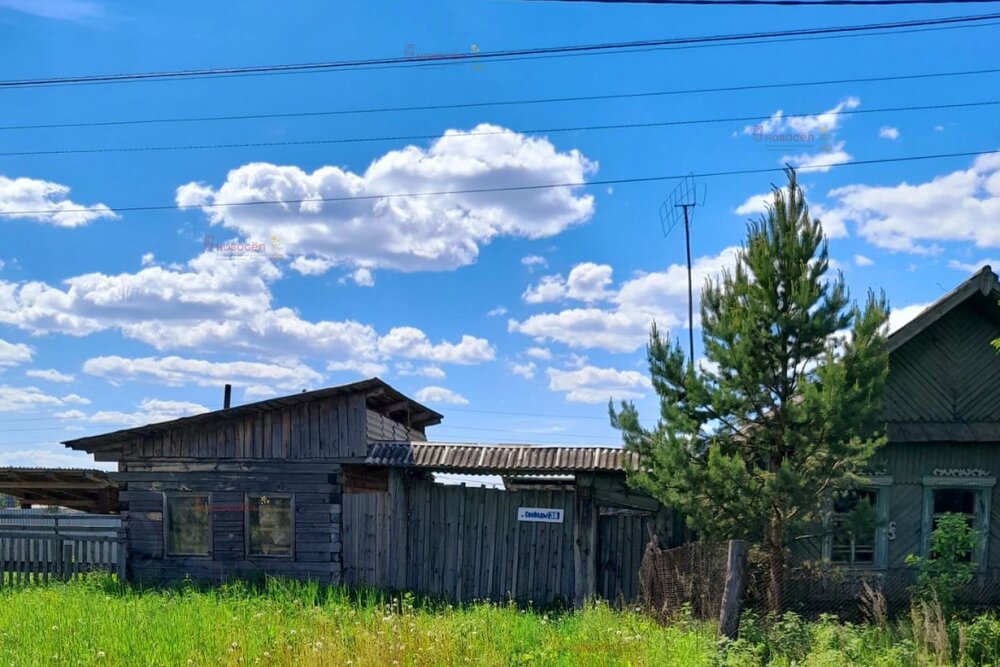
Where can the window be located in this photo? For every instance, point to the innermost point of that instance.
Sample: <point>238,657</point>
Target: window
<point>959,494</point>
<point>854,528</point>
<point>186,524</point>
<point>270,525</point>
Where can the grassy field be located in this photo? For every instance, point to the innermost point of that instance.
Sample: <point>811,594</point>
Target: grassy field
<point>96,622</point>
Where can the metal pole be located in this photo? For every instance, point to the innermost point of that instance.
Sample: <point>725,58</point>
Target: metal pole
<point>687,242</point>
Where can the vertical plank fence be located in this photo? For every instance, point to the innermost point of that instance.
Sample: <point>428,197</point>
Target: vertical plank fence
<point>466,543</point>
<point>39,547</point>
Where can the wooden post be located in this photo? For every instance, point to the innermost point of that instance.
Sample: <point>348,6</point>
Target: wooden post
<point>732,595</point>
<point>399,522</point>
<point>121,549</point>
<point>585,542</point>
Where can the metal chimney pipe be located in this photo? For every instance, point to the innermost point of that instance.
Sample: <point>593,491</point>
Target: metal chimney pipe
<point>228,397</point>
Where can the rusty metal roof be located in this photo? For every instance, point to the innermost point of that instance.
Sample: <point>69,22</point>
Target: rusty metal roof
<point>454,457</point>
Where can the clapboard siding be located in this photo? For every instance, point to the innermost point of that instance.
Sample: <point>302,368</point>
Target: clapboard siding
<point>316,489</point>
<point>332,428</point>
<point>947,373</point>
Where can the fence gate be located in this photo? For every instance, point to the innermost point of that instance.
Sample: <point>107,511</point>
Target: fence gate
<point>36,547</point>
<point>621,538</point>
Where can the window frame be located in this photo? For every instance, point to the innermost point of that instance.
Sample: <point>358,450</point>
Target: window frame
<point>983,487</point>
<point>880,558</point>
<point>247,547</point>
<point>167,495</point>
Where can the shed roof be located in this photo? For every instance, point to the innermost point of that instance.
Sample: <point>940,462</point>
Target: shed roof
<point>75,488</point>
<point>487,459</point>
<point>983,283</point>
<point>378,394</point>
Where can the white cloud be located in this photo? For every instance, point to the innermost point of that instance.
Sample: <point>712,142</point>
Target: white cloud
<point>499,311</point>
<point>149,411</point>
<point>888,132</point>
<point>423,233</point>
<point>596,385</point>
<point>624,327</point>
<point>899,317</point>
<point>311,266</point>
<point>548,288</point>
<point>257,392</point>
<point>534,261</point>
<point>49,374</point>
<point>525,370</point>
<point>440,395</point>
<point>406,369</point>
<point>957,207</point>
<point>413,343</point>
<point>50,455</point>
<point>363,368</point>
<point>821,161</point>
<point>177,371</point>
<point>363,277</point>
<point>539,353</point>
<point>973,267</point>
<point>12,354</point>
<point>587,282</point>
<point>828,121</point>
<point>23,399</point>
<point>148,259</point>
<point>861,260</point>
<point>214,305</point>
<point>45,202</point>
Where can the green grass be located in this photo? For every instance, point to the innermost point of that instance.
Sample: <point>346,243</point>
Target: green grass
<point>98,622</point>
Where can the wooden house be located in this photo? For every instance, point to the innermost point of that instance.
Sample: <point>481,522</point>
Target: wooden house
<point>942,411</point>
<point>336,485</point>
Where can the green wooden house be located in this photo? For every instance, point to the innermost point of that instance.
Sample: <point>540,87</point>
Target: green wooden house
<point>943,452</point>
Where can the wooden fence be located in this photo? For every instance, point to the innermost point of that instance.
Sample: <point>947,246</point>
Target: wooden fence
<point>466,543</point>
<point>38,547</point>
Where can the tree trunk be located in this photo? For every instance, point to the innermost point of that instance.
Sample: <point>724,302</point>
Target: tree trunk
<point>776,566</point>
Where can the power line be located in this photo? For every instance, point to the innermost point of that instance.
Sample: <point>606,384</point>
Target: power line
<point>439,136</point>
<point>498,103</point>
<point>510,188</point>
<point>484,56</point>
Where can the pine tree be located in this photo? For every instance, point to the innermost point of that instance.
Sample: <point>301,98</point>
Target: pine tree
<point>787,407</point>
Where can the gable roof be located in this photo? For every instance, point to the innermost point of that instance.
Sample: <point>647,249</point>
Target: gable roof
<point>378,395</point>
<point>983,283</point>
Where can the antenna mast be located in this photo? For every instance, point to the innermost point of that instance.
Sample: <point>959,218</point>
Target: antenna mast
<point>676,208</point>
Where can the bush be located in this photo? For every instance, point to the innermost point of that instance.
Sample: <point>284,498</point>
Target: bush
<point>948,568</point>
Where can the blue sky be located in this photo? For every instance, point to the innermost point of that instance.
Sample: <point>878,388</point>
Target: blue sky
<point>517,315</point>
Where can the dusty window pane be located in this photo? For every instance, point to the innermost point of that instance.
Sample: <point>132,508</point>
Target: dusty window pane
<point>187,525</point>
<point>854,527</point>
<point>270,525</point>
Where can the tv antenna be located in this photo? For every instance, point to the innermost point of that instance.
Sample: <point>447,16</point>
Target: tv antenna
<point>676,208</point>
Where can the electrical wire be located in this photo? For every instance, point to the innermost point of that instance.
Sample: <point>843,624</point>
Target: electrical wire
<point>467,135</point>
<point>499,103</point>
<point>510,188</point>
<point>485,56</point>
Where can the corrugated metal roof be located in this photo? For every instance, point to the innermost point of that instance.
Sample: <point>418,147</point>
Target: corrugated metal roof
<point>499,458</point>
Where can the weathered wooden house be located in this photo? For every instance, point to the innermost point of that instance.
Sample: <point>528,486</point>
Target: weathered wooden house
<point>337,485</point>
<point>943,454</point>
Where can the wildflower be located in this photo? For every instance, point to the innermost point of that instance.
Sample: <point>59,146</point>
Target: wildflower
<point>267,654</point>
<point>100,654</point>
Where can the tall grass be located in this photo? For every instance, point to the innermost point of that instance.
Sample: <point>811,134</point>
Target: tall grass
<point>97,622</point>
